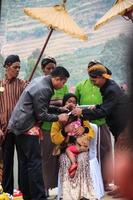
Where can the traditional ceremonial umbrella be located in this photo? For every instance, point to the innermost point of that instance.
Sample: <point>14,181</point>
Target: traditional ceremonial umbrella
<point>56,18</point>
<point>120,7</point>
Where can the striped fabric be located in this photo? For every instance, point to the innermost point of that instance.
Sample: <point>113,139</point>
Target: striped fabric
<point>10,91</point>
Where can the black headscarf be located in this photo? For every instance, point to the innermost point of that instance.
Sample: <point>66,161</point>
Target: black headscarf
<point>66,97</point>
<point>10,60</point>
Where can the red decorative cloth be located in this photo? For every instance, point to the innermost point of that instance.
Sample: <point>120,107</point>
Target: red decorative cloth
<point>36,131</point>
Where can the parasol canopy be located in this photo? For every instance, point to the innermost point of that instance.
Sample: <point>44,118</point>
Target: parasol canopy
<point>56,18</point>
<point>120,7</point>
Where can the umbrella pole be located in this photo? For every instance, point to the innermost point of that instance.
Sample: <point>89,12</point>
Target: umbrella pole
<point>37,62</point>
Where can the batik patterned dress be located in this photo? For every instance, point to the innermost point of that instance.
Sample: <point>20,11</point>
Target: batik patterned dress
<point>81,184</point>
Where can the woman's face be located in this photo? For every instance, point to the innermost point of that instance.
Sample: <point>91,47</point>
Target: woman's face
<point>48,68</point>
<point>71,103</point>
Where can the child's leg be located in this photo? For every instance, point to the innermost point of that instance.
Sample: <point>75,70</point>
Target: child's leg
<point>71,155</point>
<point>71,152</point>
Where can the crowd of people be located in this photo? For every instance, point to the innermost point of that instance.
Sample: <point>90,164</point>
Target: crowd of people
<point>62,139</point>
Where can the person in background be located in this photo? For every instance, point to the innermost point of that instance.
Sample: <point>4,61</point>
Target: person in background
<point>124,87</point>
<point>25,122</point>
<point>50,173</point>
<point>89,94</point>
<point>11,88</point>
<point>47,65</point>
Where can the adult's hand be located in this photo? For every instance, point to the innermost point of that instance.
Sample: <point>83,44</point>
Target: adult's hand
<point>70,106</point>
<point>69,128</point>
<point>63,118</point>
<point>92,107</point>
<point>77,111</point>
<point>79,131</point>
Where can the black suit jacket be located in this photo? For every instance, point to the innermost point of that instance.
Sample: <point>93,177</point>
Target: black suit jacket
<point>32,106</point>
<point>114,108</point>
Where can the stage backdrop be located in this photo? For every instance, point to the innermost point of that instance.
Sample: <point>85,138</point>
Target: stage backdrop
<point>19,34</point>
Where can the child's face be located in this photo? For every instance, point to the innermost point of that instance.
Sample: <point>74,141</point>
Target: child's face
<point>71,103</point>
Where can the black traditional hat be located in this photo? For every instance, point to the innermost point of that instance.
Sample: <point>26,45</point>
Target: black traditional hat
<point>10,60</point>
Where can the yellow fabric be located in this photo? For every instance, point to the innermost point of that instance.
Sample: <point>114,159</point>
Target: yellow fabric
<point>56,136</point>
<point>4,196</point>
<point>107,76</point>
<point>91,132</point>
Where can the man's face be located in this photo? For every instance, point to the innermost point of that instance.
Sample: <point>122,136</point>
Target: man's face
<point>13,70</point>
<point>58,82</point>
<point>48,68</point>
<point>98,81</point>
